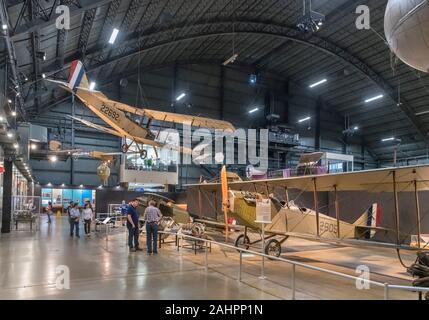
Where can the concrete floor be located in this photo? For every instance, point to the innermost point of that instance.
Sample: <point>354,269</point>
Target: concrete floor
<point>101,269</point>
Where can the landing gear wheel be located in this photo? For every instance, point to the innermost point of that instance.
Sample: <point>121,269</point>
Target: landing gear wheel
<point>242,241</point>
<point>125,148</point>
<point>273,248</point>
<point>143,154</point>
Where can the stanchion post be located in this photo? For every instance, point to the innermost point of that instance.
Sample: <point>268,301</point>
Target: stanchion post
<point>293,282</point>
<point>241,266</point>
<point>207,257</point>
<point>386,291</point>
<point>263,252</point>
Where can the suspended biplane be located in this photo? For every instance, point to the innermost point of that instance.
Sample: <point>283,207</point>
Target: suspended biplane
<point>118,116</point>
<point>240,201</point>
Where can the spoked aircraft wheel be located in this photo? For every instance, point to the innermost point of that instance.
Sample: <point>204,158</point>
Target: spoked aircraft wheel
<point>125,148</point>
<point>273,248</point>
<point>242,241</point>
<point>143,154</point>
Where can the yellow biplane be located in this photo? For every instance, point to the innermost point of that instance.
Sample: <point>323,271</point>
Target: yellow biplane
<point>116,115</point>
<point>240,201</point>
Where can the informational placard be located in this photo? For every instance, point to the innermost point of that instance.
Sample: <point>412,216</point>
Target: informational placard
<point>263,211</point>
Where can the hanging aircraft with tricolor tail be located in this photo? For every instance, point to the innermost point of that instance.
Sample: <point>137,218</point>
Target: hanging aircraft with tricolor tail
<point>114,114</point>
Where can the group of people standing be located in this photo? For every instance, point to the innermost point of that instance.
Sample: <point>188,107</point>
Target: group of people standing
<point>76,215</point>
<point>152,216</point>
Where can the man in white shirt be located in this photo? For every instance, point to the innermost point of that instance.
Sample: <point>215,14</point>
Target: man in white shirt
<point>74,218</point>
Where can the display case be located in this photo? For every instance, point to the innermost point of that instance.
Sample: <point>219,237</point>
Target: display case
<point>26,211</point>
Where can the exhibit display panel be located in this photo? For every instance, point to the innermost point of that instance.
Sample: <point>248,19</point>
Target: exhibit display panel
<point>62,197</point>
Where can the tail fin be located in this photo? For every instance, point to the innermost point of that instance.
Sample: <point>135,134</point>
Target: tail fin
<point>371,218</point>
<point>77,76</point>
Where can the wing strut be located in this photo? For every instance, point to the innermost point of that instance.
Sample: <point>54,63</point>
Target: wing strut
<point>337,211</point>
<point>396,200</point>
<point>417,200</point>
<point>316,206</point>
<point>225,200</point>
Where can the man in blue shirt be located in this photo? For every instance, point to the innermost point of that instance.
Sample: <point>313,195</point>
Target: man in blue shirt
<point>133,226</point>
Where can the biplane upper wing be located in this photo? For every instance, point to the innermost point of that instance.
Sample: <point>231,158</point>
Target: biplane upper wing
<point>166,116</point>
<point>379,180</point>
<point>176,117</point>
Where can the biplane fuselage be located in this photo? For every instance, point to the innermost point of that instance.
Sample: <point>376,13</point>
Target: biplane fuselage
<point>292,219</point>
<point>114,117</point>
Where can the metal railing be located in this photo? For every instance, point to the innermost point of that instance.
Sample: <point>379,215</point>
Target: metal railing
<point>386,286</point>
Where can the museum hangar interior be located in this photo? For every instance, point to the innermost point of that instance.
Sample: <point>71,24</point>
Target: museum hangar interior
<point>273,133</point>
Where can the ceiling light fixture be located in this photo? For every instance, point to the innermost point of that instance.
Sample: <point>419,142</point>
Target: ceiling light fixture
<point>422,113</point>
<point>231,59</point>
<point>374,98</point>
<point>113,36</point>
<point>318,83</point>
<point>253,110</point>
<point>303,120</point>
<point>181,96</point>
<point>388,139</point>
<point>92,86</point>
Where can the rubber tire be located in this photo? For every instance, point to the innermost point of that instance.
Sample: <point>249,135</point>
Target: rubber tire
<point>143,154</point>
<point>245,244</point>
<point>272,245</point>
<point>124,148</point>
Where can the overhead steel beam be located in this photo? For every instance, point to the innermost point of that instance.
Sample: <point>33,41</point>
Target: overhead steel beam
<point>63,33</point>
<point>107,27</point>
<point>12,59</point>
<point>51,16</point>
<point>85,30</point>
<point>149,40</point>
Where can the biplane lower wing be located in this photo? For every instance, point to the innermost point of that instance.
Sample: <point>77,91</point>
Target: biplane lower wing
<point>118,134</point>
<point>335,241</point>
<point>97,127</point>
<point>136,139</point>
